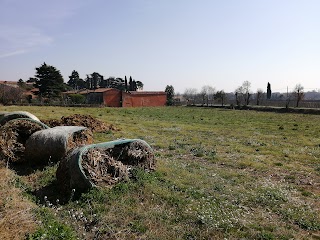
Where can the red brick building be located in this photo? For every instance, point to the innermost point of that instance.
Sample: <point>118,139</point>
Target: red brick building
<point>143,99</point>
<point>111,97</point>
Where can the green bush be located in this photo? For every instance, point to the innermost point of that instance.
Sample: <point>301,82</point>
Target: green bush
<point>77,98</point>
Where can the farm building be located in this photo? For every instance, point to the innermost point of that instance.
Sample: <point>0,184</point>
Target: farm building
<point>112,97</point>
<point>143,99</point>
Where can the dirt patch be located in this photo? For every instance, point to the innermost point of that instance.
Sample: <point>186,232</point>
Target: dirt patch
<point>95,125</point>
<point>13,137</point>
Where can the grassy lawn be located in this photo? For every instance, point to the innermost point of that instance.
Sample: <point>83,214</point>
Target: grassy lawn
<point>220,174</point>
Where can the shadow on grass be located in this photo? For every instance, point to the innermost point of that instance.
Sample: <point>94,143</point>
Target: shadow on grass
<point>23,169</point>
<point>52,194</point>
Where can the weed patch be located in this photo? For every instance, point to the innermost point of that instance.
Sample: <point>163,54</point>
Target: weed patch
<point>51,228</point>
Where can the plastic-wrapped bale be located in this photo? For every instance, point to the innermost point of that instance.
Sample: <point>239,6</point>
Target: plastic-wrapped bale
<point>2,114</point>
<point>103,164</point>
<point>13,136</point>
<point>7,116</point>
<point>52,144</point>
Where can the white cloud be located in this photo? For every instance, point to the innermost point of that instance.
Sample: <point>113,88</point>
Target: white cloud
<point>34,24</point>
<point>9,54</point>
<point>16,40</point>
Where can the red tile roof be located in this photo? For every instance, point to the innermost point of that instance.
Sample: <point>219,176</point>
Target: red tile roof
<point>84,91</point>
<point>146,93</point>
<point>101,90</point>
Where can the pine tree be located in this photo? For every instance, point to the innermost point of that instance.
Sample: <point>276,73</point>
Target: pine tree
<point>49,81</point>
<point>134,85</point>
<point>170,94</point>
<point>139,85</point>
<point>96,79</point>
<point>74,80</point>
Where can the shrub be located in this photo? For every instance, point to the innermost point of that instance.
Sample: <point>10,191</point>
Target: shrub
<point>77,98</point>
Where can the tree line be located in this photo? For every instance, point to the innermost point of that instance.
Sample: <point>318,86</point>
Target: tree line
<point>242,96</point>
<point>96,80</point>
<point>50,82</point>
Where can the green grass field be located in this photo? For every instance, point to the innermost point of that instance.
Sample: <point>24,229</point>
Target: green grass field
<point>221,174</point>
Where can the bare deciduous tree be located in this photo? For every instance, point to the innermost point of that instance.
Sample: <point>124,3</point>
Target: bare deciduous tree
<point>210,93</point>
<point>298,93</point>
<point>239,95</point>
<point>207,94</point>
<point>259,96</point>
<point>203,94</point>
<point>9,95</point>
<point>190,95</point>
<point>243,93</point>
<point>246,91</point>
<point>221,96</point>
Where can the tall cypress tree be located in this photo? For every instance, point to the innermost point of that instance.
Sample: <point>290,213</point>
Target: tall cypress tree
<point>130,84</point>
<point>125,83</point>
<point>269,91</point>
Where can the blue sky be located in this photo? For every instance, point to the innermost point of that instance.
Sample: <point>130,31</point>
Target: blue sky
<point>184,43</point>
